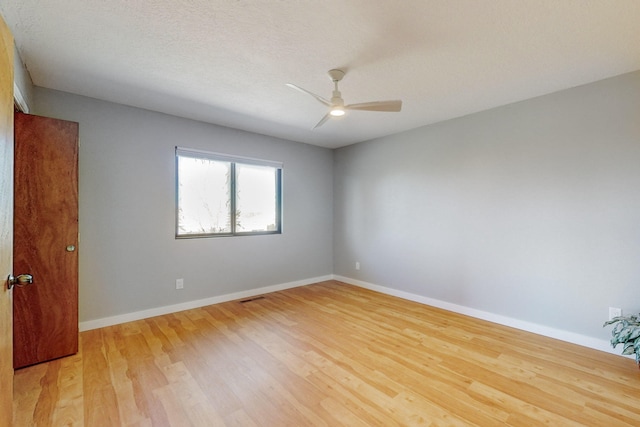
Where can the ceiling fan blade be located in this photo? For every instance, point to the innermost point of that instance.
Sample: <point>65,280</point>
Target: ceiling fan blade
<point>321,122</point>
<point>318,97</point>
<point>393,106</point>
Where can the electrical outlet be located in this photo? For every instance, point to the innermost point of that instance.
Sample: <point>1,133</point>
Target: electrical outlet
<point>179,283</point>
<point>357,265</point>
<point>614,312</point>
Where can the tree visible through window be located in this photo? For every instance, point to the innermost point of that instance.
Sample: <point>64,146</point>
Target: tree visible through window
<point>219,195</point>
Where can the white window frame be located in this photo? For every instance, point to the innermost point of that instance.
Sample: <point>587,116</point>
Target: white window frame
<point>233,160</point>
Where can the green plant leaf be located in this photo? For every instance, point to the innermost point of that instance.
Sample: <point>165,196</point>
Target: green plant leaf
<point>635,334</point>
<point>628,348</point>
<point>625,334</point>
<point>620,326</point>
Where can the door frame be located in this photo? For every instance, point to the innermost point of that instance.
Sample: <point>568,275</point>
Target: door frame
<point>6,223</point>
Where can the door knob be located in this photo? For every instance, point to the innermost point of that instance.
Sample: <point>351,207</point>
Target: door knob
<point>21,280</point>
<point>70,248</point>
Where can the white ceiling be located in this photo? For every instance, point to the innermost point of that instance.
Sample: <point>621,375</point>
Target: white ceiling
<point>227,62</point>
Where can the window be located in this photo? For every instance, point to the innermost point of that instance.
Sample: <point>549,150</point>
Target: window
<point>220,195</point>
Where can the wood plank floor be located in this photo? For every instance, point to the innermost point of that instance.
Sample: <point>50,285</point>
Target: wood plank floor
<point>328,354</point>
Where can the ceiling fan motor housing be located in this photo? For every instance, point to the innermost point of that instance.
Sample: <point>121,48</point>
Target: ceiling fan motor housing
<point>336,75</point>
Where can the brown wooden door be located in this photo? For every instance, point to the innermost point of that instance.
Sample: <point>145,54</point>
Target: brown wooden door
<point>6,222</point>
<point>45,313</point>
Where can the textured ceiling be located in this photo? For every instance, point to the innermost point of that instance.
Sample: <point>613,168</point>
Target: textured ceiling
<point>227,62</point>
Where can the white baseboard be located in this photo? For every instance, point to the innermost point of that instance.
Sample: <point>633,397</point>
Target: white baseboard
<point>583,340</point>
<point>158,311</point>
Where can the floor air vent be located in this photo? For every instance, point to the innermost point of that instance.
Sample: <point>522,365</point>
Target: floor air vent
<point>251,299</point>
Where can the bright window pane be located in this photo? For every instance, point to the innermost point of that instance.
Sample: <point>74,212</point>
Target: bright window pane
<point>222,195</point>
<point>256,198</point>
<point>203,196</point>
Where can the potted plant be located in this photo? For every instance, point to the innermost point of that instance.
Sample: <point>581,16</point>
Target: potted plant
<point>626,332</point>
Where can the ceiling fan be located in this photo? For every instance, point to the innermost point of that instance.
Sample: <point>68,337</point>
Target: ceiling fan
<point>336,104</point>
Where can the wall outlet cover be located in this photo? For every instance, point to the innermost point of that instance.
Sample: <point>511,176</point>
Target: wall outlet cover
<point>614,312</point>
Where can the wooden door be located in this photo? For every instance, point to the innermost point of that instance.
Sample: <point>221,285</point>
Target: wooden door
<point>45,320</point>
<point>6,222</point>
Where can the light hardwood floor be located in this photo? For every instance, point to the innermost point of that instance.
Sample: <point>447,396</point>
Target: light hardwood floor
<point>328,354</point>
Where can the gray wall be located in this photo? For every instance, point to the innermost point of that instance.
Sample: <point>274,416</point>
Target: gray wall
<point>129,258</point>
<point>530,211</point>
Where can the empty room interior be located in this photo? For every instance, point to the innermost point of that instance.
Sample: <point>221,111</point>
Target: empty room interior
<point>320,213</point>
